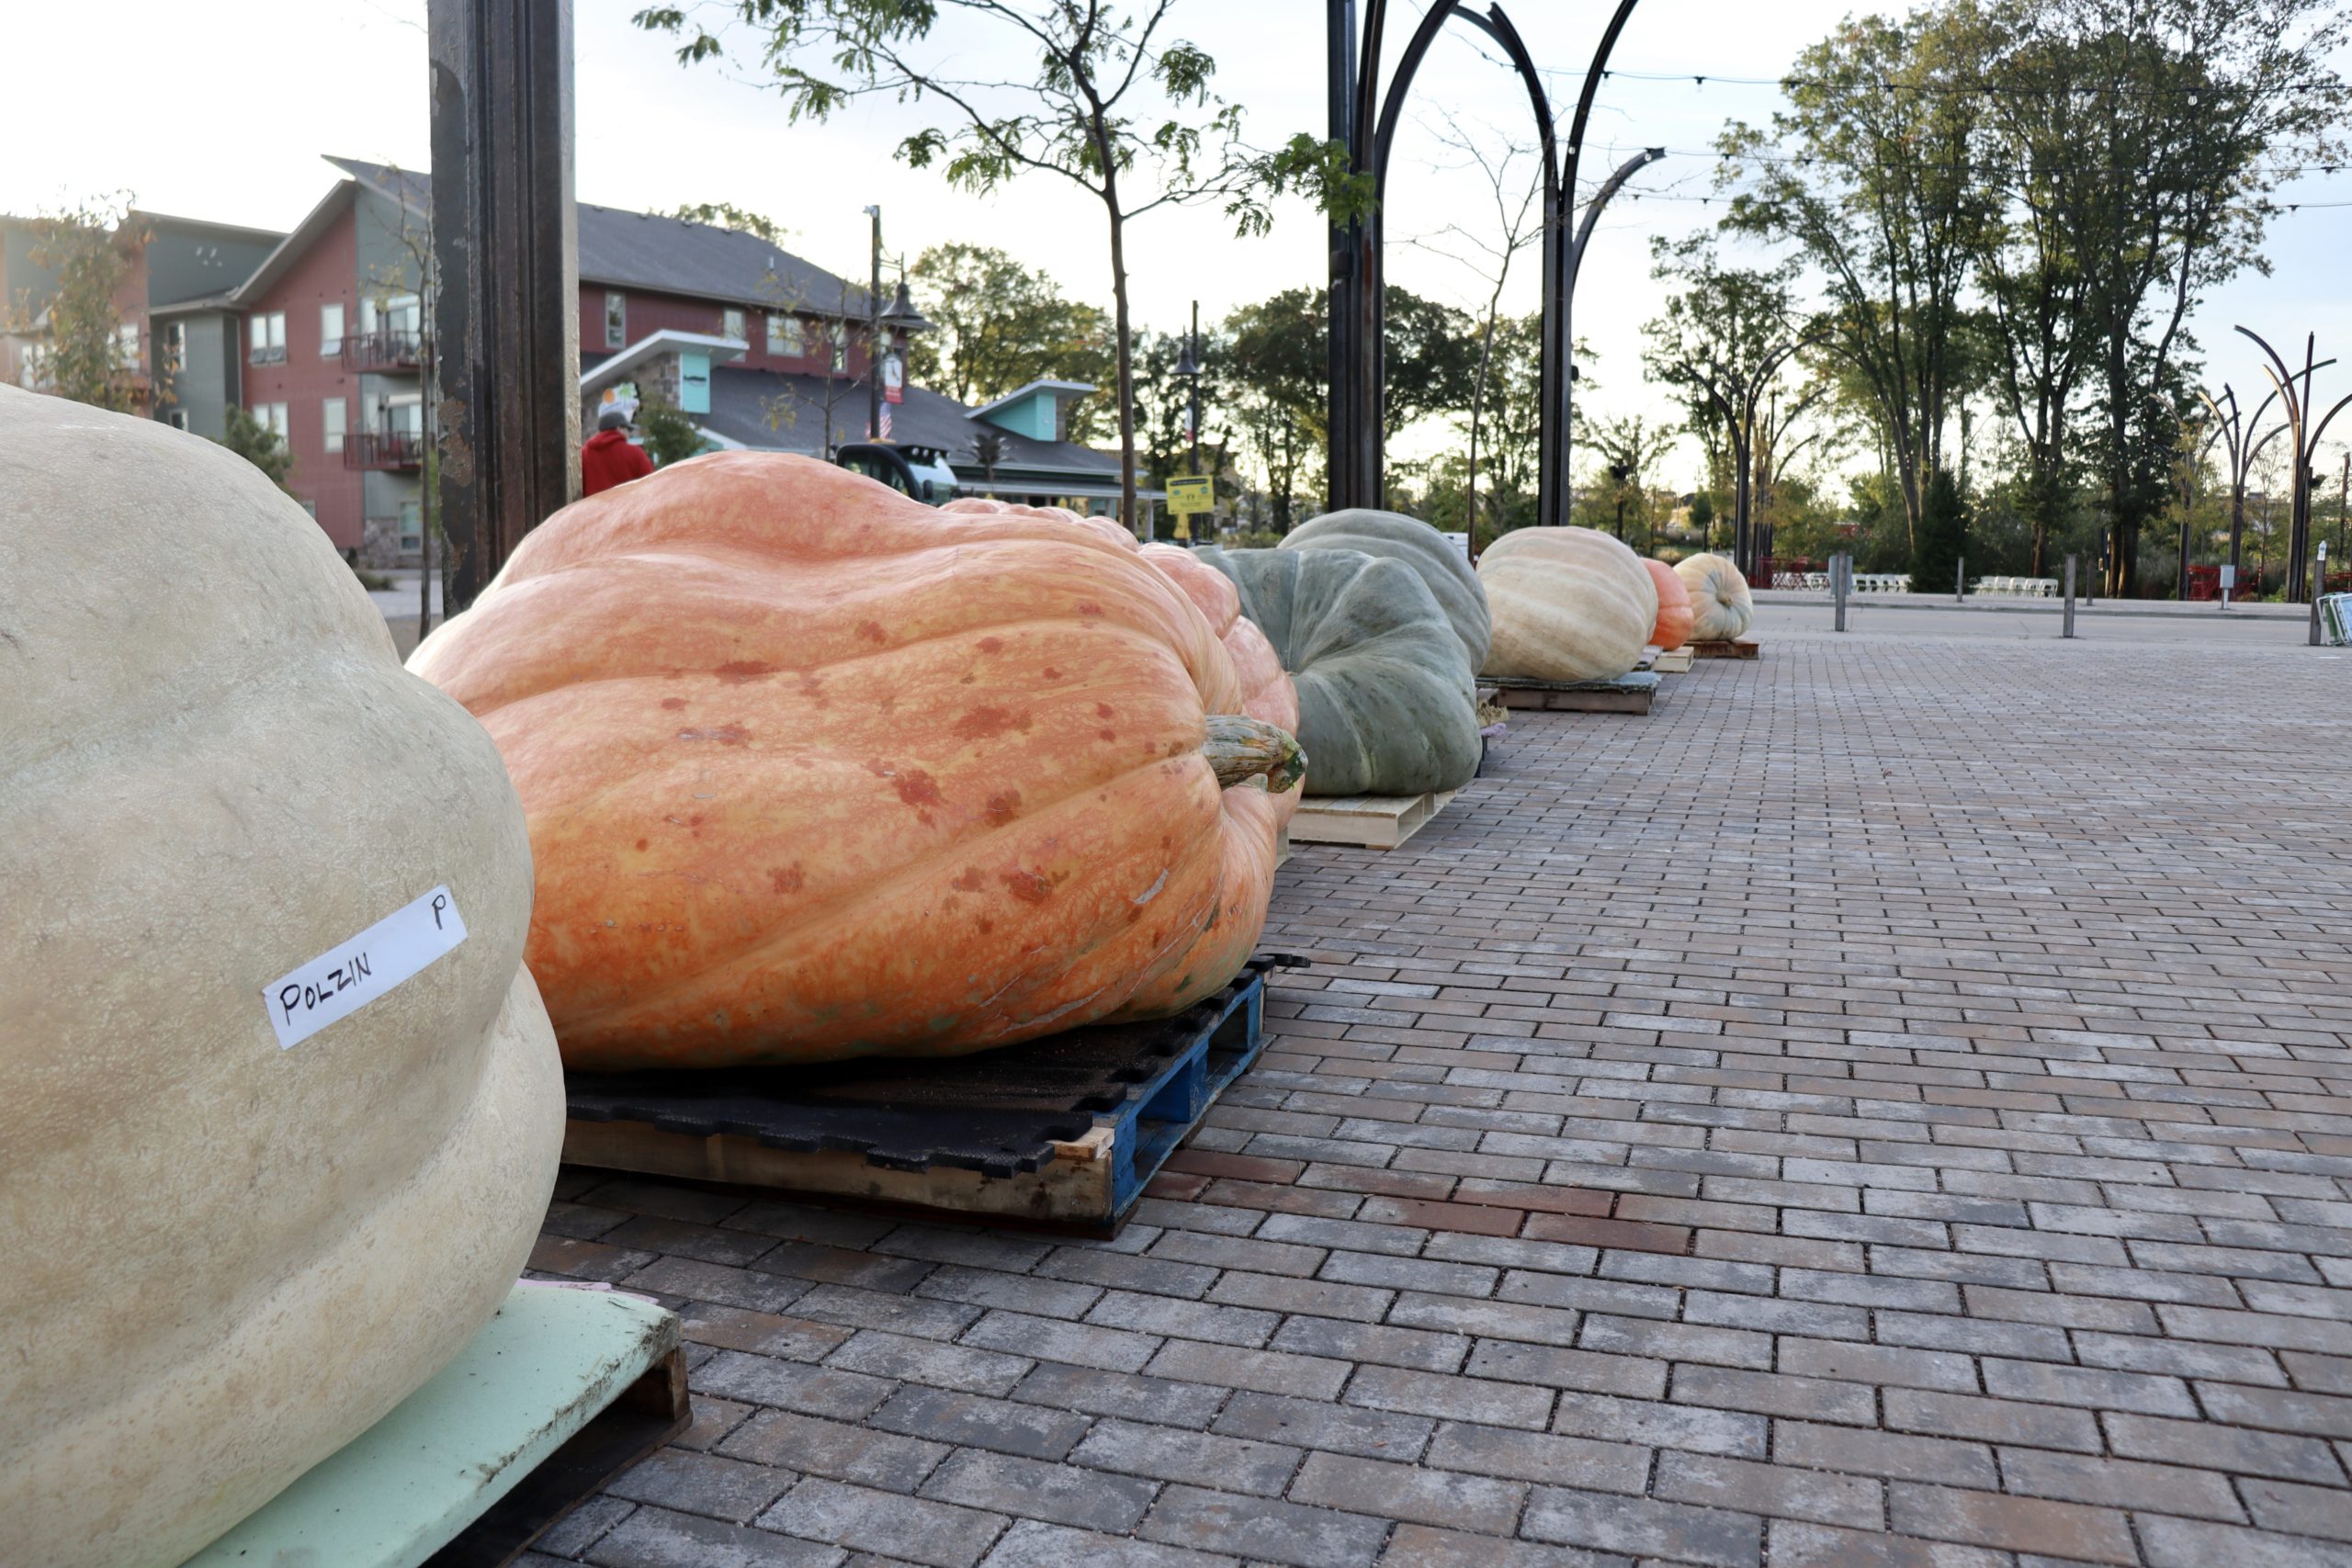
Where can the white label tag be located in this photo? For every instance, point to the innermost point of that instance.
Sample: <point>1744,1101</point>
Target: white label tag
<point>349,975</point>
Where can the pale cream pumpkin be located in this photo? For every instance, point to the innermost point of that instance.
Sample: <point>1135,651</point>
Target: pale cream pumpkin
<point>228,1258</point>
<point>1568,605</point>
<point>1720,603</point>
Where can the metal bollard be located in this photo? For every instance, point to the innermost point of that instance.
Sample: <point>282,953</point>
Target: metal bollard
<point>1960,581</point>
<point>2070,598</point>
<point>2319,587</point>
<point>1841,572</point>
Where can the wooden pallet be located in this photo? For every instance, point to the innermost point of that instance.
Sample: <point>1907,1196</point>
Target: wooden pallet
<point>1061,1133</point>
<point>1720,647</point>
<point>1673,661</point>
<point>1366,822</point>
<point>1626,694</point>
<point>560,1392</point>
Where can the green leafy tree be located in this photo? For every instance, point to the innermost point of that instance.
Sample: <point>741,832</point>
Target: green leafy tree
<point>2198,107</point>
<point>88,253</point>
<point>1116,108</point>
<point>1867,174</point>
<point>1942,537</point>
<point>669,433</point>
<point>257,444</point>
<point>1631,452</point>
<point>727,215</point>
<point>1275,378</point>
<point>1002,325</point>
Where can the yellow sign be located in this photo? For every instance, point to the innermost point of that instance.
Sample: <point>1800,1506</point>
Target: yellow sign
<point>1188,497</point>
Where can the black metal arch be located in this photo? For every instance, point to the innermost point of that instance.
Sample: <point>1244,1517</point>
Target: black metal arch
<point>1357,361</point>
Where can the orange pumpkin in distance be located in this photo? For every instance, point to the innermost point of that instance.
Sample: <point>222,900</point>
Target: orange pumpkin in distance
<point>813,771</point>
<point>1674,612</point>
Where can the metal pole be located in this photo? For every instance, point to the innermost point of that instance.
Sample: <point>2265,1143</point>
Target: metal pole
<point>2318,589</point>
<point>1960,581</point>
<point>1196,388</point>
<point>874,335</point>
<point>2070,598</point>
<point>1567,334</point>
<point>505,252</point>
<point>1841,566</point>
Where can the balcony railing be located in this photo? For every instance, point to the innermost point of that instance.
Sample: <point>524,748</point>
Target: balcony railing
<point>385,349</point>
<point>390,450</point>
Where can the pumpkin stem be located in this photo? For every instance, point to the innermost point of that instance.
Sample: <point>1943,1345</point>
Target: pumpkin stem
<point>1240,748</point>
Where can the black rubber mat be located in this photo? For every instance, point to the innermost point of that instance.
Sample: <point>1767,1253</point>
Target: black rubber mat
<point>995,1111</point>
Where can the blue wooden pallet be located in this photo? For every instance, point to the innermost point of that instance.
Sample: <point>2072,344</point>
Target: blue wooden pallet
<point>1063,1131</point>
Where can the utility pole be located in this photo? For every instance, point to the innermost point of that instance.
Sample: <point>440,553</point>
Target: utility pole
<point>874,335</point>
<point>505,256</point>
<point>1192,346</point>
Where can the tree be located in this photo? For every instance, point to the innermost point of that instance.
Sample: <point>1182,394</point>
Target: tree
<point>727,215</point>
<point>1116,109</point>
<point>2197,108</point>
<point>1275,375</point>
<point>1866,173</point>
<point>669,435</point>
<point>1943,537</point>
<point>1722,343</point>
<point>88,253</point>
<point>1002,326</point>
<point>257,444</point>
<point>1513,174</point>
<point>1630,450</point>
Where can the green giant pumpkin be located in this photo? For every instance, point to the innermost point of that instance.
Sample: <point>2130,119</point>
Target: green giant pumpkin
<point>1386,699</point>
<point>1443,569</point>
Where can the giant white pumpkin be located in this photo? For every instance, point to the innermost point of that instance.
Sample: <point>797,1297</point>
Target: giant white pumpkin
<point>226,1257</point>
<point>1568,605</point>
<point>1720,604</point>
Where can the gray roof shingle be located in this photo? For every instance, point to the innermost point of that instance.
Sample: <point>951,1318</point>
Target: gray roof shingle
<point>667,256</point>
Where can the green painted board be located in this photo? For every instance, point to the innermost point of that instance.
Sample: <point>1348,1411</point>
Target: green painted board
<point>549,1360</point>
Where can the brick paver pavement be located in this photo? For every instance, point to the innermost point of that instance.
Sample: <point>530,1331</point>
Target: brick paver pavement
<point>1888,1107</point>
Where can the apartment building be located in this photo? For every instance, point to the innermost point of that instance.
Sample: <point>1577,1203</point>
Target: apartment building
<point>326,334</point>
<point>178,335</point>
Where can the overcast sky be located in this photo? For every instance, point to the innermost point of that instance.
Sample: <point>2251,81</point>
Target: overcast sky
<point>229,123</point>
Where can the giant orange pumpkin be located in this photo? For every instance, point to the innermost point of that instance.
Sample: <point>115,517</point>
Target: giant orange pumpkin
<point>1673,613</point>
<point>1266,690</point>
<point>813,771</point>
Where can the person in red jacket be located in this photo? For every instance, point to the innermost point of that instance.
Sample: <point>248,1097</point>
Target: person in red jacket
<point>609,458</point>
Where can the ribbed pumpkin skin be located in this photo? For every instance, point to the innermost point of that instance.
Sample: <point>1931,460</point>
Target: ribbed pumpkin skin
<point>1444,569</point>
<point>814,771</point>
<point>1266,690</point>
<point>229,1260</point>
<point>1720,603</point>
<point>1386,702</point>
<point>1569,604</point>
<point>1674,614</point>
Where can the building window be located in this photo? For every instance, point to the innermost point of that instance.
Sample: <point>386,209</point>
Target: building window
<point>329,331</point>
<point>174,346</point>
<point>411,527</point>
<point>337,412</point>
<point>270,416</point>
<point>841,348</point>
<point>731,325</point>
<point>178,417</point>
<point>785,338</point>
<point>268,333</point>
<point>616,319</point>
<point>126,345</point>
<point>404,418</point>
